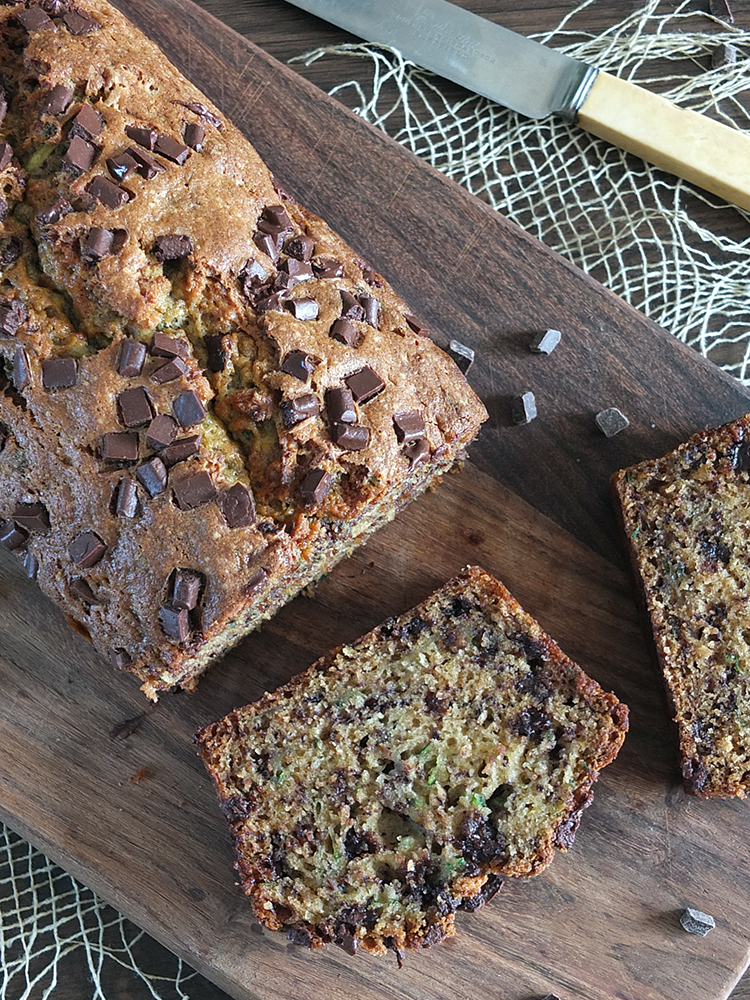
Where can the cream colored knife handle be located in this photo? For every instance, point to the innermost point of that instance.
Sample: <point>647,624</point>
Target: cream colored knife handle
<point>704,152</point>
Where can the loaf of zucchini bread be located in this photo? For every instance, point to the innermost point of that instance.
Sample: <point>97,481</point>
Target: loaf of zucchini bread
<point>685,518</point>
<point>207,398</point>
<point>400,778</point>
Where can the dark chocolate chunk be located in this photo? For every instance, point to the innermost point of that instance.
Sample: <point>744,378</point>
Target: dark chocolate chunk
<point>268,244</point>
<point>611,421</point>
<point>299,364</point>
<point>31,517</point>
<point>80,155</point>
<point>180,450</point>
<point>303,308</point>
<point>291,273</point>
<point>267,303</point>
<point>462,355</point>
<point>371,307</point>
<point>175,623</point>
<point>107,192</point>
<point>294,411</point>
<point>147,166</point>
<point>414,324</point>
<point>216,353</point>
<point>409,426</point>
<point>79,588</point>
<point>161,432</point>
<point>314,486</point>
<point>300,247</point>
<point>79,23</point>
<point>30,564</point>
<point>194,135</point>
<point>12,315</point>
<point>21,369</point>
<point>121,166</point>
<point>188,408</point>
<point>523,408</point>
<point>152,475</point>
<point>724,55</point>
<point>185,589</point>
<point>173,150</point>
<point>57,100</point>
<point>6,154</point>
<point>164,346</point>
<point>50,216</point>
<point>59,373</point>
<point>35,19</point>
<point>135,407</point>
<point>202,111</point>
<point>350,307</point>
<point>10,251</point>
<point>119,658</point>
<point>352,437</point>
<point>345,332</point>
<point>417,451</point>
<point>126,500</point>
<point>545,343</point>
<point>119,446</point>
<point>340,406</point>
<point>237,506</point>
<point>328,267</point>
<point>696,922</point>
<point>275,219</point>
<point>144,136</point>
<point>169,371</point>
<point>194,491</point>
<point>365,384</point>
<point>172,246</point>
<point>11,536</point>
<point>256,581</point>
<point>99,243</point>
<point>722,10</point>
<point>88,123</point>
<point>130,358</point>
<point>86,549</point>
<point>370,275</point>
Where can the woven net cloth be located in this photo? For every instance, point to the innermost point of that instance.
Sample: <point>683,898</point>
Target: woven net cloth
<point>630,226</point>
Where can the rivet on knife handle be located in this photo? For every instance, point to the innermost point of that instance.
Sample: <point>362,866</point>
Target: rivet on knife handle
<point>705,152</point>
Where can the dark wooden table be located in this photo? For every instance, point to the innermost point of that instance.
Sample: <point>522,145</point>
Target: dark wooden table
<point>286,33</point>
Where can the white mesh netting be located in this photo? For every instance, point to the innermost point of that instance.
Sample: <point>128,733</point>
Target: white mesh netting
<point>630,226</point>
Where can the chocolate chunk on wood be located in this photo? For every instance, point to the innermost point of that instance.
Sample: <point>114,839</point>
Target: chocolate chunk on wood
<point>122,166</point>
<point>79,23</point>
<point>545,343</point>
<point>147,166</point>
<point>185,589</point>
<point>345,332</point>
<point>104,190</point>
<point>119,446</point>
<point>32,517</point>
<point>294,411</point>
<point>365,384</point>
<point>194,135</point>
<point>87,124</point>
<point>188,408</point>
<point>86,549</point>
<point>194,491</point>
<point>21,373</point>
<point>314,486</point>
<point>722,10</point>
<point>298,364</point>
<point>130,358</point>
<point>12,315</point>
<point>172,149</point>
<point>161,432</point>
<point>418,327</point>
<point>135,407</point>
<point>80,155</point>
<point>119,658</point>
<point>340,406</point>
<point>35,19</point>
<point>99,243</point>
<point>303,309</point>
<point>6,154</point>
<point>175,623</point>
<point>169,371</point>
<point>152,475</point>
<point>351,437</point>
<point>409,426</point>
<point>237,506</point>
<point>11,535</point>
<point>126,499</point>
<point>523,408</point>
<point>80,588</point>
<point>172,246</point>
<point>181,450</point>
<point>724,55</point>
<point>462,355</point>
<point>696,922</point>
<point>57,100</point>
<point>30,565</point>
<point>611,421</point>
<point>59,373</point>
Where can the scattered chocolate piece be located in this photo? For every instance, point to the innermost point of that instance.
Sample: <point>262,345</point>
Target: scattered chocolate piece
<point>721,9</point>
<point>611,421</point>
<point>194,491</point>
<point>202,111</point>
<point>340,406</point>
<point>119,658</point>
<point>80,588</point>
<point>294,411</point>
<point>57,100</point>
<point>52,215</point>
<point>350,307</point>
<point>173,150</point>
<point>6,154</point>
<point>107,192</point>
<point>194,135</point>
<point>135,407</point>
<point>126,501</point>
<point>345,332</point>
<point>409,426</point>
<point>724,55</point>
<point>299,365</point>
<point>697,922</point>
<point>31,517</point>
<point>414,324</point>
<point>314,486</point>
<point>256,581</point>
<point>300,248</point>
<point>122,166</point>
<point>130,358</point>
<point>185,589</point>
<point>141,135</point>
<point>12,315</point>
<point>34,19</point>
<point>365,384</point>
<point>352,437</point>
<point>30,564</point>
<point>173,246</point>
<point>147,166</point>
<point>169,371</point>
<point>79,23</point>
<point>328,267</point>
<point>99,243</point>
<point>87,124</point>
<point>86,549</point>
<point>188,408</point>
<point>175,623</point>
<point>545,343</point>
<point>119,446</point>
<point>21,369</point>
<point>59,373</point>
<point>161,432</point>
<point>523,408</point>
<point>152,475</point>
<point>181,450</point>
<point>462,355</point>
<point>237,506</point>
<point>11,536</point>
<point>370,275</point>
<point>80,155</point>
<point>164,346</point>
<point>371,308</point>
<point>417,451</point>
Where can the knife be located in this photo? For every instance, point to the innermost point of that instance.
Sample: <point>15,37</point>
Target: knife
<point>537,81</point>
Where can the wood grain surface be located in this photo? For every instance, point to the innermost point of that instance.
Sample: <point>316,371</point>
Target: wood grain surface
<point>531,506</point>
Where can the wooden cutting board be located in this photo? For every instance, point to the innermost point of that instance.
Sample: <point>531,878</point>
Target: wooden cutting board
<point>110,787</point>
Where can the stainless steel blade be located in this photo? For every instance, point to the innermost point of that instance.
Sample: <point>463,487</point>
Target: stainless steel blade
<point>478,54</point>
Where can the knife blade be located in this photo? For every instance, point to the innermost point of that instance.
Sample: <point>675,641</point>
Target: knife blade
<point>537,81</point>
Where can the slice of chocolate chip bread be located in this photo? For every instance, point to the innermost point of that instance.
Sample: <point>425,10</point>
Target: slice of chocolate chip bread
<point>685,518</point>
<point>400,778</point>
<point>199,378</point>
